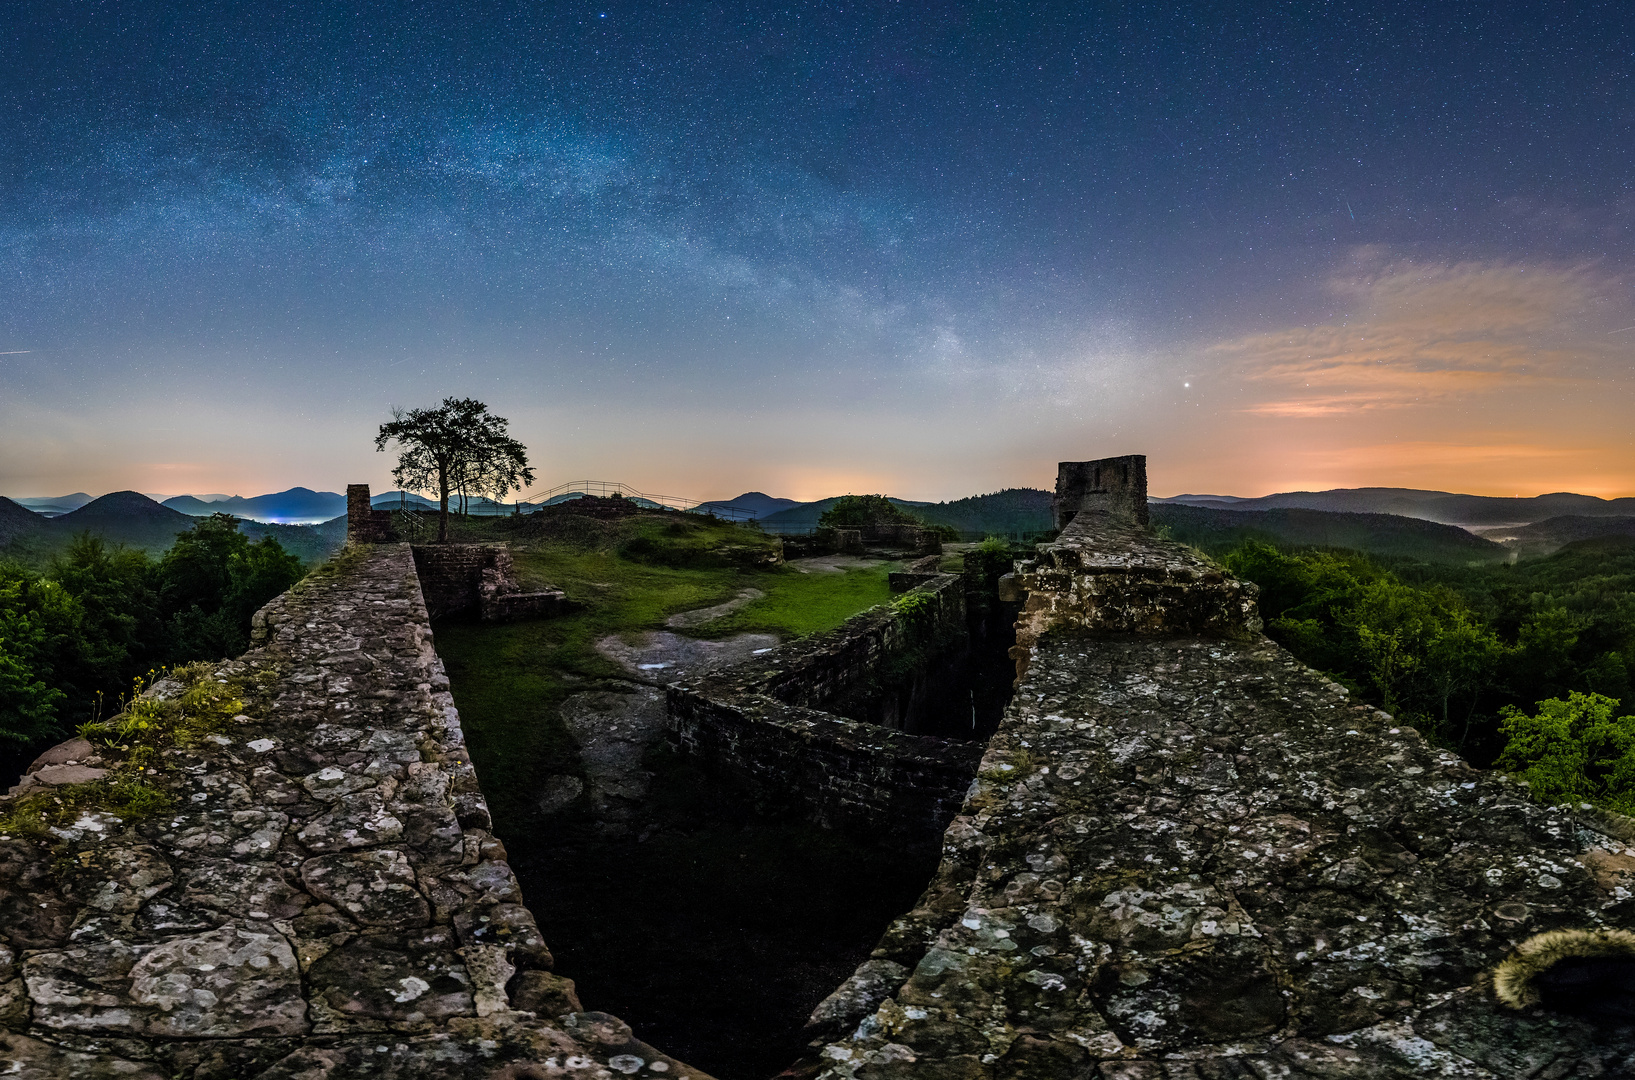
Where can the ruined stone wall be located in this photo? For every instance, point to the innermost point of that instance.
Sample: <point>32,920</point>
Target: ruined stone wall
<point>324,900</point>
<point>1107,575</point>
<point>451,574</point>
<point>1116,485</point>
<point>461,578</point>
<point>759,727</point>
<point>1187,856</point>
<point>815,671</point>
<point>365,525</point>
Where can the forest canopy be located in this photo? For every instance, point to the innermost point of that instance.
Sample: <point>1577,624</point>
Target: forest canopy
<point>73,637</point>
<point>1527,667</point>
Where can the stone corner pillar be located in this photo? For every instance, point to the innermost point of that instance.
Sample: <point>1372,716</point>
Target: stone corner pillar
<point>364,524</point>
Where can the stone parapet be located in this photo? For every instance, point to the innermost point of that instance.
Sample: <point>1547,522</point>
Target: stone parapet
<point>760,727</point>
<point>1195,857</point>
<point>324,898</point>
<point>1107,575</point>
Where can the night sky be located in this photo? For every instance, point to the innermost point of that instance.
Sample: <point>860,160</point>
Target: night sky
<point>929,249</point>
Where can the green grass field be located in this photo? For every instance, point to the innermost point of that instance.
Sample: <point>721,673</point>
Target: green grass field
<point>509,680</point>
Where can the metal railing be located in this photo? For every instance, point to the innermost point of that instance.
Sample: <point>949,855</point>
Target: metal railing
<point>575,489</point>
<point>606,489</point>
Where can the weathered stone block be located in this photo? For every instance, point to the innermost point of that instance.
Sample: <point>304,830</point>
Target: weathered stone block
<point>226,983</point>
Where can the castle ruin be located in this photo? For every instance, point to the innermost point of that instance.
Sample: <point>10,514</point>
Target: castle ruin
<point>1183,855</point>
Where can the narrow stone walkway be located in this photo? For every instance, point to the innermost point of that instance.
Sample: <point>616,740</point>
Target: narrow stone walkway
<point>325,901</point>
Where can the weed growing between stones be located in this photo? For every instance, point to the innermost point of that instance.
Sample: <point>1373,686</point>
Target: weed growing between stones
<point>36,813</point>
<point>134,743</point>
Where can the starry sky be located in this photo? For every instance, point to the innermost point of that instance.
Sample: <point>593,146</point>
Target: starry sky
<point>922,248</point>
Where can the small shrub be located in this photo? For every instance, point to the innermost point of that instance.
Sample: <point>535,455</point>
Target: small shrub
<point>1573,750</point>
<point>134,741</point>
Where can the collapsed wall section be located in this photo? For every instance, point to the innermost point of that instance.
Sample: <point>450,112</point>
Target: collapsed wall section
<point>1186,855</point>
<point>464,578</point>
<point>323,898</point>
<point>759,727</point>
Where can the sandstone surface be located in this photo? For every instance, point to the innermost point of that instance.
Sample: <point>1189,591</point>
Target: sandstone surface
<point>1186,856</point>
<point>325,900</point>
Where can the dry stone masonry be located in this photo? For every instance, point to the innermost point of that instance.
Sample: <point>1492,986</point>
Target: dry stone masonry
<point>326,900</point>
<point>1188,857</point>
<point>761,727</point>
<point>1185,856</point>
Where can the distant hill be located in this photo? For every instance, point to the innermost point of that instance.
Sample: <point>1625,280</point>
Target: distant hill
<point>1551,534</point>
<point>192,507</point>
<point>296,504</point>
<point>133,519</point>
<point>1442,506</point>
<point>1011,512</point>
<point>19,521</point>
<point>67,502</point>
<point>313,543</point>
<point>391,500</point>
<point>55,505</point>
<point>125,517</point>
<point>803,517</point>
<point>758,503</point>
<point>1216,530</point>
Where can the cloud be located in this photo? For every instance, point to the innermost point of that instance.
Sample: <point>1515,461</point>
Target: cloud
<point>1412,335</point>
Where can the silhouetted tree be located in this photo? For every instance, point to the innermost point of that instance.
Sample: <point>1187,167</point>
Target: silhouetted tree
<point>458,446</point>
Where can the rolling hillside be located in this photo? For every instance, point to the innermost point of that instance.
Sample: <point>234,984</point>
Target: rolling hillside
<point>125,517</point>
<point>19,522</point>
<point>1012,512</point>
<point>1552,534</point>
<point>296,504</point>
<point>1440,506</point>
<point>1216,531</point>
<point>134,520</point>
<point>757,503</point>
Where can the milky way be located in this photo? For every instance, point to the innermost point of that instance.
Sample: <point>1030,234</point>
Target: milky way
<point>934,247</point>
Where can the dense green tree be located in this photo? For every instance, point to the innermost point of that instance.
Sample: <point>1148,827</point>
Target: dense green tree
<point>73,638</point>
<point>213,579</point>
<point>38,622</point>
<point>119,631</point>
<point>861,511</point>
<point>1421,652</point>
<point>1573,750</point>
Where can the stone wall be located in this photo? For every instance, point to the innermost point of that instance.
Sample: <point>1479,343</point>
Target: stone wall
<point>1116,485</point>
<point>1187,856</point>
<point>759,727</point>
<point>1107,575</point>
<point>324,900</point>
<point>459,578</point>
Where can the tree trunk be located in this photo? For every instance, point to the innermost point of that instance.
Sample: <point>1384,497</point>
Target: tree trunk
<point>442,506</point>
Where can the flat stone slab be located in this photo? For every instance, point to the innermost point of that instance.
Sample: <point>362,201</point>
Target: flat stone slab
<point>663,657</point>
<point>832,564</point>
<point>614,732</point>
<point>685,620</point>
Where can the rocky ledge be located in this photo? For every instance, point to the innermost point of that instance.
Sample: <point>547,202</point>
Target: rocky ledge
<point>321,896</point>
<point>1187,856</point>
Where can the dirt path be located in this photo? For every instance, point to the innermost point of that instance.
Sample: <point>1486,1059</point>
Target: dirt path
<point>686,620</point>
